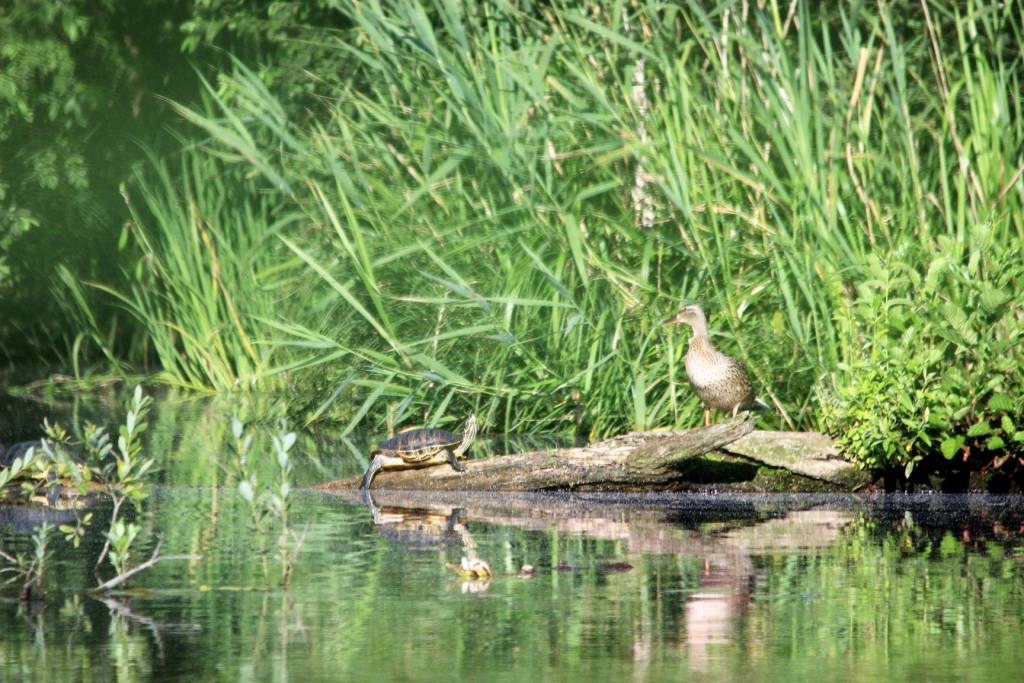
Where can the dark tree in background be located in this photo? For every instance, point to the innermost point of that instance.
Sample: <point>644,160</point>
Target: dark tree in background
<point>82,84</point>
<point>76,98</point>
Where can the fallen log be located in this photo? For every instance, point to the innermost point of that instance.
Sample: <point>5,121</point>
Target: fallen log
<point>639,461</point>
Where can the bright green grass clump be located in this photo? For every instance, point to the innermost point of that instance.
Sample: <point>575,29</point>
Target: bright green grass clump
<point>494,207</point>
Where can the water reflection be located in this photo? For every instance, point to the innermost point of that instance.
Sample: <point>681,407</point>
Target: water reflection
<point>724,589</point>
<point>624,587</point>
<point>641,587</point>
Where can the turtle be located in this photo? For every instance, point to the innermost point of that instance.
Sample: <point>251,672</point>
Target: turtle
<point>421,447</point>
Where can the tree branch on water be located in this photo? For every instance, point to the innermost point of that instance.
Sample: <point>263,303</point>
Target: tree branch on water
<point>106,545</point>
<point>154,559</point>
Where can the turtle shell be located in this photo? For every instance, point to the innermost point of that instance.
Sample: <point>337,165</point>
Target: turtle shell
<point>417,445</point>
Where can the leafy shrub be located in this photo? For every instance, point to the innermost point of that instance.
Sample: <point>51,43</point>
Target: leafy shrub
<point>940,366</point>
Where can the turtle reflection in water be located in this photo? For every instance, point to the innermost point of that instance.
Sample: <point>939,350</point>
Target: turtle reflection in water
<point>422,448</point>
<point>418,529</point>
<point>424,529</point>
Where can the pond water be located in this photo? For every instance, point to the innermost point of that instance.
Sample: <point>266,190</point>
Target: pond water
<point>713,587</point>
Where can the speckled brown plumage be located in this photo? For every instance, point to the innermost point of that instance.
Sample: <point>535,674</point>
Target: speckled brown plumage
<point>720,381</point>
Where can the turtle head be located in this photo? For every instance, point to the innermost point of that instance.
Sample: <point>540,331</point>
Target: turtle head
<point>468,435</point>
<point>692,315</point>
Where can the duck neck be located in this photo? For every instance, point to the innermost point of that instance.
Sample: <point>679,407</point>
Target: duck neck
<point>700,339</point>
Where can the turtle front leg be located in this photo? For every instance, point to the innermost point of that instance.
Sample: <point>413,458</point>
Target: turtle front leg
<point>378,518</point>
<point>453,460</point>
<point>375,464</point>
<point>707,417</point>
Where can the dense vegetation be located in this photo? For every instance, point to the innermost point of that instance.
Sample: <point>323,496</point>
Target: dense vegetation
<point>404,211</point>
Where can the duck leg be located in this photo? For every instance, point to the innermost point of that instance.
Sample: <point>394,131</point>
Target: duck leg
<point>707,417</point>
<point>375,464</point>
<point>454,461</point>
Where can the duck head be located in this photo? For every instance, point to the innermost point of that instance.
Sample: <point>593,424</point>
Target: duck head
<point>692,315</point>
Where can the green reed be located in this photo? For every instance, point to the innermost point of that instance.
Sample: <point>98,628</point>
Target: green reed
<point>456,226</point>
<point>205,273</point>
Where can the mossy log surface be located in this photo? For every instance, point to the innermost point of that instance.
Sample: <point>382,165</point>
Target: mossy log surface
<point>808,454</point>
<point>639,461</point>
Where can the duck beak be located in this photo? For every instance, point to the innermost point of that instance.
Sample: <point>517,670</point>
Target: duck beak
<point>674,320</point>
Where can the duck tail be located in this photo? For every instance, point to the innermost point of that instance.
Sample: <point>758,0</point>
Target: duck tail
<point>759,405</point>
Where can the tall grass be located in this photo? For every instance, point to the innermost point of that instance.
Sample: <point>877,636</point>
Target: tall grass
<point>206,274</point>
<point>461,205</point>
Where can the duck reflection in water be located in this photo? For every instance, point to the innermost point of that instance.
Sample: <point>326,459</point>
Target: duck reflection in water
<point>713,610</point>
<point>729,579</point>
<point>727,583</point>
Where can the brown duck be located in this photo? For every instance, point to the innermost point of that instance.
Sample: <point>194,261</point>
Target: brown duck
<point>720,381</point>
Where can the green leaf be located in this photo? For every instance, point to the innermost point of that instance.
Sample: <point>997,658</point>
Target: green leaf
<point>951,445</point>
<point>957,320</point>
<point>347,294</point>
<point>992,299</point>
<point>609,35</point>
<point>908,469</point>
<point>980,429</point>
<point>1000,402</point>
<point>931,280</point>
<point>574,235</point>
<point>1007,424</point>
<point>949,545</point>
<point>982,236</point>
<point>995,443</point>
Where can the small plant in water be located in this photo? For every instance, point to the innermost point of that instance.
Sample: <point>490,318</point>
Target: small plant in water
<point>271,502</point>
<point>119,473</point>
<point>30,569</point>
<point>20,469</point>
<point>120,537</point>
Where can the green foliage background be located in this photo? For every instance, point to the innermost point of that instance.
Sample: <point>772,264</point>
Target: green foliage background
<point>402,211</point>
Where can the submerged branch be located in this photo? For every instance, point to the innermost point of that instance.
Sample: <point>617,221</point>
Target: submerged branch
<point>154,559</point>
<point>118,501</point>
